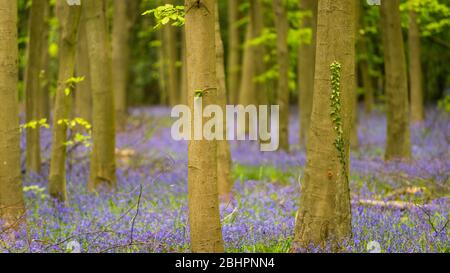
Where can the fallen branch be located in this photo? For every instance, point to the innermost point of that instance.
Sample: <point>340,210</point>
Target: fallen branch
<point>402,205</point>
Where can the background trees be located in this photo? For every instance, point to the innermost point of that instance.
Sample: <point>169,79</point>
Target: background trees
<point>69,18</point>
<point>108,56</point>
<point>103,166</point>
<point>33,82</point>
<point>398,143</point>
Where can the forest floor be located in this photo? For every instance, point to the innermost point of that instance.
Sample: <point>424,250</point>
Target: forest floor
<point>405,207</point>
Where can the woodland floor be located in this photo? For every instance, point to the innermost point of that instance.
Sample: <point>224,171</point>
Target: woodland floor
<point>412,216</point>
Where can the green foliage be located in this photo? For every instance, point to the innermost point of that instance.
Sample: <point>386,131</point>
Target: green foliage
<point>167,14</point>
<point>433,15</point>
<point>78,137</point>
<point>38,191</point>
<point>71,83</point>
<point>444,104</point>
<point>35,124</point>
<point>263,173</point>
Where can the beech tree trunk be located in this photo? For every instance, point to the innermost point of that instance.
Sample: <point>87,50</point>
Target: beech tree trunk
<point>83,94</point>
<point>415,69</point>
<point>33,84</point>
<point>233,66</point>
<point>398,144</point>
<point>306,63</point>
<point>44,95</point>
<point>204,218</point>
<point>124,14</point>
<point>324,216</point>
<point>12,205</point>
<point>171,58</point>
<point>282,27</point>
<point>224,178</point>
<point>69,20</point>
<point>103,166</point>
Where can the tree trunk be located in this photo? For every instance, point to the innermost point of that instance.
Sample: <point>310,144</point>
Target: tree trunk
<point>204,218</point>
<point>12,206</point>
<point>83,94</point>
<point>224,179</point>
<point>306,62</point>
<point>44,95</point>
<point>415,69</point>
<point>103,167</point>
<point>398,132</point>
<point>282,27</point>
<point>324,216</point>
<point>33,84</point>
<point>256,16</point>
<point>247,86</point>
<point>183,82</point>
<point>69,19</point>
<point>354,141</point>
<point>233,68</point>
<point>366,77</point>
<point>247,89</point>
<point>124,14</point>
<point>171,58</point>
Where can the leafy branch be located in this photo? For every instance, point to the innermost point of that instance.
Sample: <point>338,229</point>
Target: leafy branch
<point>167,14</point>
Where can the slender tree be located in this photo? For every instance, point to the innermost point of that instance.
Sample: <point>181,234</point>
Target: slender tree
<point>306,62</point>
<point>11,197</point>
<point>170,58</point>
<point>125,13</point>
<point>44,94</point>
<point>233,66</point>
<point>247,88</point>
<point>103,167</point>
<point>224,179</point>
<point>398,144</point>
<point>364,64</point>
<point>69,20</point>
<point>415,69</point>
<point>324,216</point>
<point>83,94</point>
<point>256,16</point>
<point>366,78</point>
<point>354,141</point>
<point>282,26</point>
<point>204,218</point>
<point>33,83</point>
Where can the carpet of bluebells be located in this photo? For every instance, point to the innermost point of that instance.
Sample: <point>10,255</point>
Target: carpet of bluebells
<point>148,212</point>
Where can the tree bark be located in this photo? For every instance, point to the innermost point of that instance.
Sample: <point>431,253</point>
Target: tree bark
<point>12,206</point>
<point>103,166</point>
<point>398,144</point>
<point>282,27</point>
<point>306,62</point>
<point>44,95</point>
<point>122,25</point>
<point>33,84</point>
<point>83,94</point>
<point>324,216</point>
<point>171,58</point>
<point>415,69</point>
<point>69,19</point>
<point>247,89</point>
<point>224,178</point>
<point>204,218</point>
<point>233,68</point>
<point>366,77</point>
